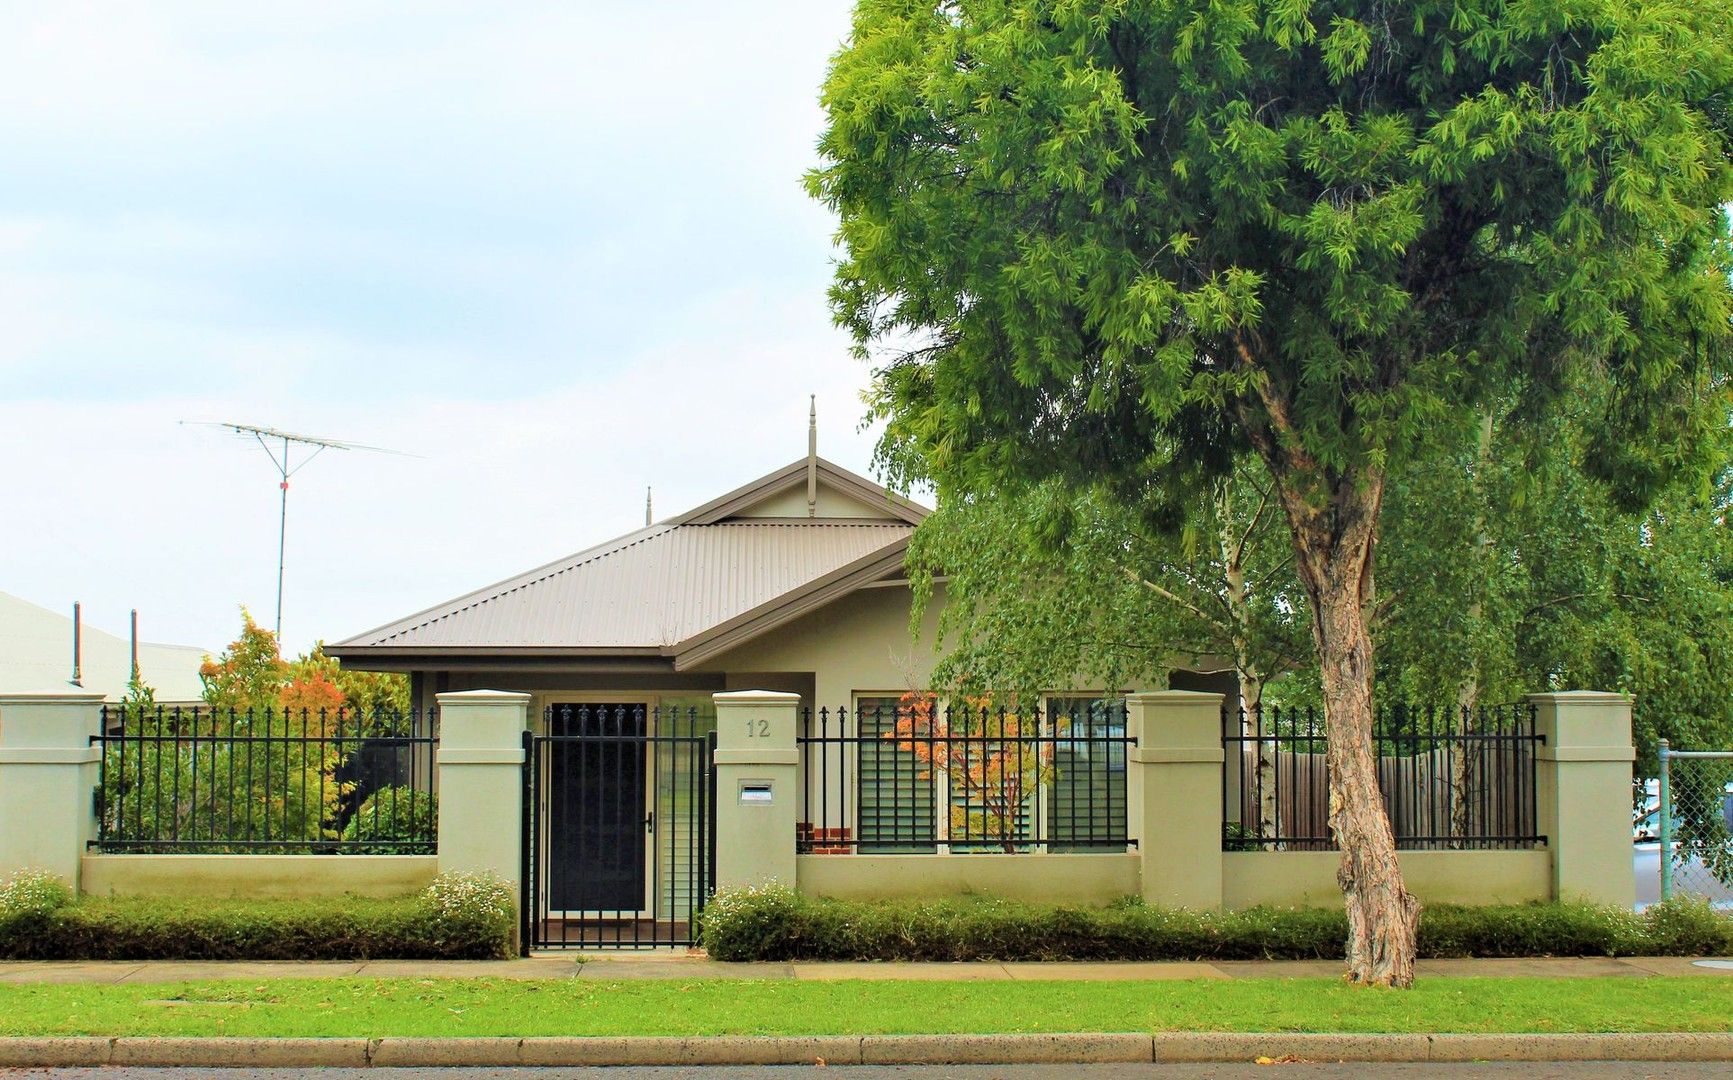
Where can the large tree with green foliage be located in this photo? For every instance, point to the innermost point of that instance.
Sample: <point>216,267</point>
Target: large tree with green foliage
<point>1052,585</point>
<point>1129,241</point>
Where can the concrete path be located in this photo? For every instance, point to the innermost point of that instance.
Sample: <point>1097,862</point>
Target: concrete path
<point>668,965</point>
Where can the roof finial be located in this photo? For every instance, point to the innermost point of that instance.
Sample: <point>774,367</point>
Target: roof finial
<point>812,459</point>
<point>649,519</point>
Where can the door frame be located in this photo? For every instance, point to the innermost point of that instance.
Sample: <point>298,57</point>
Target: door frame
<point>541,701</point>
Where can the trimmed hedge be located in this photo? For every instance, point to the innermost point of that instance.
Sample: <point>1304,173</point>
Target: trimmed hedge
<point>777,924</point>
<point>454,919</point>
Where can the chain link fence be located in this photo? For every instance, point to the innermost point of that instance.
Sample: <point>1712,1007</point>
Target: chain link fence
<point>1693,823</point>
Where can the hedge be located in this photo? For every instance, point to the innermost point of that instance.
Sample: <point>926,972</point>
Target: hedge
<point>777,924</point>
<point>456,918</point>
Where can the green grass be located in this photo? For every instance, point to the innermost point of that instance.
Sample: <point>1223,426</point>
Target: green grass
<point>455,1007</point>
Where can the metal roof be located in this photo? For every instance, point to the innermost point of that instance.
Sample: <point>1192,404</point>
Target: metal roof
<point>688,588</point>
<point>649,590</point>
<point>36,655</point>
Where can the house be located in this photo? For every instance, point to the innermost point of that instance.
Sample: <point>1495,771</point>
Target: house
<point>41,649</point>
<point>794,582</point>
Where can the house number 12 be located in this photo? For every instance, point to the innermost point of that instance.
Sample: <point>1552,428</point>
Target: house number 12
<point>758,729</point>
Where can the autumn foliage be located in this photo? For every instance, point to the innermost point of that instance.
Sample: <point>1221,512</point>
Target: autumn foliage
<point>989,756</point>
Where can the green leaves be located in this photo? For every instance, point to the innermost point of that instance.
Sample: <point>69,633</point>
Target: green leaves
<point>1412,207</point>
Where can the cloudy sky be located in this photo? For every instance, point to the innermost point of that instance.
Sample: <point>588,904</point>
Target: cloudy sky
<point>557,250</point>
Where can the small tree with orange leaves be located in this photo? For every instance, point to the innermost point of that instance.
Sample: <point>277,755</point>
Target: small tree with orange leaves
<point>256,765</point>
<point>990,757</point>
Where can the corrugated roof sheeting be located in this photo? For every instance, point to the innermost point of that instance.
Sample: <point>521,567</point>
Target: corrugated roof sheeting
<point>649,589</point>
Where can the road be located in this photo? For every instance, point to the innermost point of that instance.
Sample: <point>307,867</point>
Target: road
<point>1692,877</point>
<point>1624,1070</point>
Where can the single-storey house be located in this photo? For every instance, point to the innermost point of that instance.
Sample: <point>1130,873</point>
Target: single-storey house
<point>794,582</point>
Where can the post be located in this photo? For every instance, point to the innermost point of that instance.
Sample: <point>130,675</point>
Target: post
<point>481,785</point>
<point>757,765</point>
<point>1583,793</point>
<point>1174,795</point>
<point>47,782</point>
<point>1664,820</point>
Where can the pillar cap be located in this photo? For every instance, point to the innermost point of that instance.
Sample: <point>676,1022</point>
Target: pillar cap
<point>482,697</point>
<point>755,697</point>
<point>1581,697</point>
<point>53,697</point>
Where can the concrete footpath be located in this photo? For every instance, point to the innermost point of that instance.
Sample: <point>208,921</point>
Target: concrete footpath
<point>672,965</point>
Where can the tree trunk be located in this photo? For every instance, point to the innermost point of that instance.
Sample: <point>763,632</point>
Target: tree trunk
<point>1461,772</point>
<point>1468,693</point>
<point>1263,798</point>
<point>1237,599</point>
<point>1333,541</point>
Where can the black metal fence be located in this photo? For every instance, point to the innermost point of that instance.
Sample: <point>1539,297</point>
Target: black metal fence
<point>221,781</point>
<point>901,775</point>
<point>1452,778</point>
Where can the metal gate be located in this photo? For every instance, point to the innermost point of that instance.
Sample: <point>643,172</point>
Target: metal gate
<point>619,826</point>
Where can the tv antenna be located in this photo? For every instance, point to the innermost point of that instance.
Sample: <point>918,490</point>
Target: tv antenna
<point>286,468</point>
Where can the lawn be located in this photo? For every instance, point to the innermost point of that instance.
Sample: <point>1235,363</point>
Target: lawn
<point>407,1007</point>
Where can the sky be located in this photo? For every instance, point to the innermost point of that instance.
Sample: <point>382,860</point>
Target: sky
<point>558,252</point>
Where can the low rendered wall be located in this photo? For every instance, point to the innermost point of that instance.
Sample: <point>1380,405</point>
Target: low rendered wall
<point>257,876</point>
<point>1308,878</point>
<point>1053,879</point>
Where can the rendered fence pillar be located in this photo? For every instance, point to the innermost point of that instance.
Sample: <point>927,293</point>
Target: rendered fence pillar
<point>481,785</point>
<point>1174,795</point>
<point>757,766</point>
<point>48,779</point>
<point>1583,794</point>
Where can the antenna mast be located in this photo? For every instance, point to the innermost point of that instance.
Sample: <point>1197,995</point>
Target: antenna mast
<point>286,468</point>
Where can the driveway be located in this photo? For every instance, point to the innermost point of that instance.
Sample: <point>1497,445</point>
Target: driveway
<point>1692,877</point>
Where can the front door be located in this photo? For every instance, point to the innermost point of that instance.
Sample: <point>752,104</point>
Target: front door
<point>598,812</point>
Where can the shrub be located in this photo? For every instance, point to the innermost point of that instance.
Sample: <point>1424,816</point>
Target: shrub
<point>27,901</point>
<point>456,918</point>
<point>775,923</point>
<point>1688,926</point>
<point>398,819</point>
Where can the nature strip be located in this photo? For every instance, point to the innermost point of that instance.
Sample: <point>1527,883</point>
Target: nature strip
<point>868,1049</point>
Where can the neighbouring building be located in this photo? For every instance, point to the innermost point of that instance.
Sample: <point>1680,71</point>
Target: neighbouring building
<point>40,650</point>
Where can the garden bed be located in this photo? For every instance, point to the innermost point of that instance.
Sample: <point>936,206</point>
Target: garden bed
<point>777,924</point>
<point>455,918</point>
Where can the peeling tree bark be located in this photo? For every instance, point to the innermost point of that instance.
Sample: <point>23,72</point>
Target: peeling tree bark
<point>1333,542</point>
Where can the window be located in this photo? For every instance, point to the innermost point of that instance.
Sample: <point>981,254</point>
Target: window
<point>898,791</point>
<point>1086,800</point>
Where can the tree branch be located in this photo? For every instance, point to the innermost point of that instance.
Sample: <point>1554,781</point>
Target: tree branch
<point>1174,598</point>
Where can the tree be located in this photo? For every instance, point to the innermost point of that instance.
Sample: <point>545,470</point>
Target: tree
<point>1049,586</point>
<point>1511,570</point>
<point>990,757</point>
<point>1049,583</point>
<point>376,702</point>
<point>270,758</point>
<point>1133,241</point>
<point>249,674</point>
